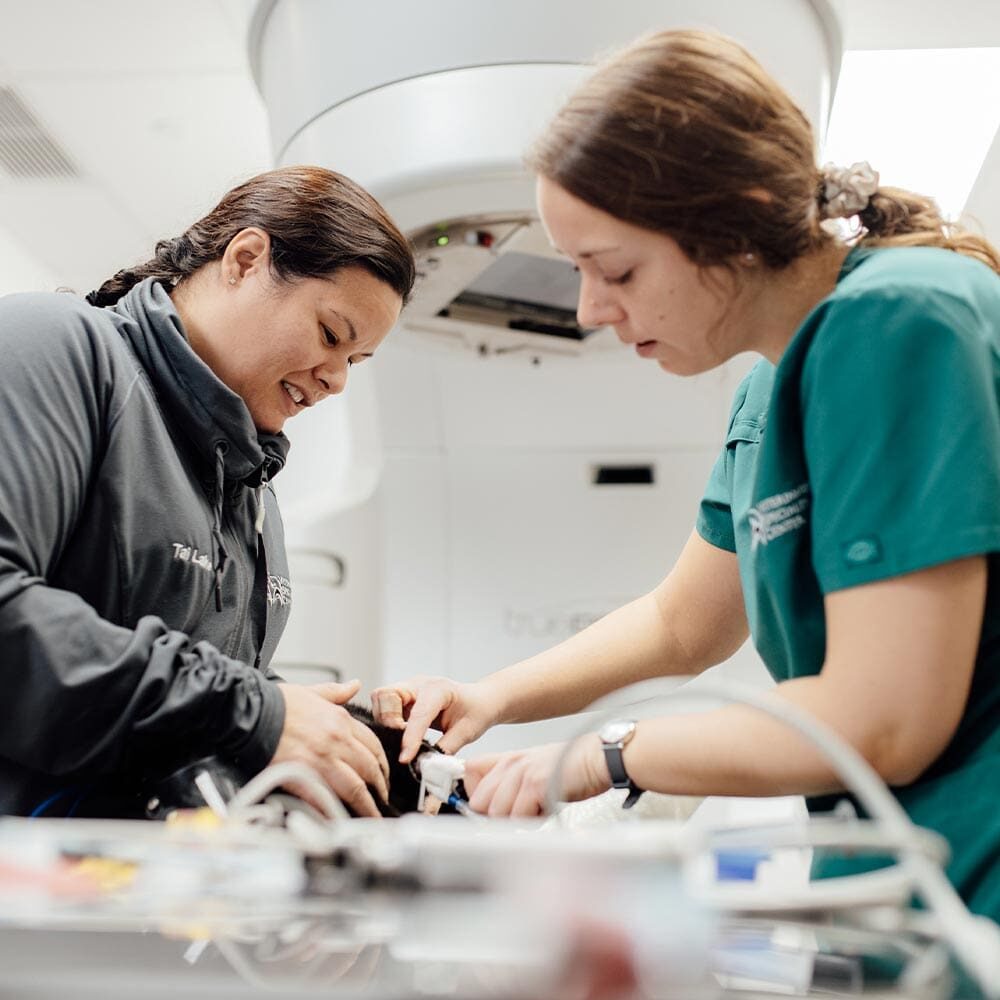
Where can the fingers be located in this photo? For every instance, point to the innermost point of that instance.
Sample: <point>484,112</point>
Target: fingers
<point>510,784</point>
<point>503,787</point>
<point>423,714</point>
<point>359,753</point>
<point>345,782</point>
<point>372,743</point>
<point>339,694</point>
<point>347,790</point>
<point>495,783</point>
<point>530,799</point>
<point>477,768</point>
<point>352,790</point>
<point>388,704</point>
<point>423,702</point>
<point>346,754</point>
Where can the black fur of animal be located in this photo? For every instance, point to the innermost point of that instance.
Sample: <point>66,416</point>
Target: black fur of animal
<point>404,783</point>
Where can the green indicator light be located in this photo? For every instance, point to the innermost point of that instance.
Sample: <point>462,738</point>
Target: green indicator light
<point>442,241</point>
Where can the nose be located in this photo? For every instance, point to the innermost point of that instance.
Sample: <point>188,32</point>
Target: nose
<point>332,376</point>
<point>595,306</point>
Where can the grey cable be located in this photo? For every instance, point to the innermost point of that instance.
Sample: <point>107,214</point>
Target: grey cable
<point>974,940</point>
<point>273,777</point>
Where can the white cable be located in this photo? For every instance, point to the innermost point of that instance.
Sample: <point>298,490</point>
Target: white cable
<point>211,794</point>
<point>311,836</point>
<point>975,941</point>
<point>824,832</point>
<point>273,777</point>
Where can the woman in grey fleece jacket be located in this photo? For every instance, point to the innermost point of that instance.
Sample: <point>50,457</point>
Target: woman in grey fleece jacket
<point>143,582</point>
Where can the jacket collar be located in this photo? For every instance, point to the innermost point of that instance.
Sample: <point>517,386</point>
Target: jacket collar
<point>210,414</point>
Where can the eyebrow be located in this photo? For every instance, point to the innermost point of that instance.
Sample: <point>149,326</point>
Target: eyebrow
<point>593,253</point>
<point>587,254</point>
<point>350,326</point>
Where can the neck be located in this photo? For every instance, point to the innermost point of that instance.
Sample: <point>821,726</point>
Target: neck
<point>786,297</point>
<point>186,296</point>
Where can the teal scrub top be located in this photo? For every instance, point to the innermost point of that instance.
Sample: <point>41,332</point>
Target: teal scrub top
<point>873,450</point>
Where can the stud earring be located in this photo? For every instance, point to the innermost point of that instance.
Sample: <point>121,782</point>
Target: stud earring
<point>232,281</point>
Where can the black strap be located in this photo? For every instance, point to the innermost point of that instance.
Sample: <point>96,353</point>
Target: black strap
<point>634,793</point>
<point>616,766</point>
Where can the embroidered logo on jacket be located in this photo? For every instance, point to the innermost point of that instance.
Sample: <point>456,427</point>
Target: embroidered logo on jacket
<point>279,591</point>
<point>778,515</point>
<point>187,553</point>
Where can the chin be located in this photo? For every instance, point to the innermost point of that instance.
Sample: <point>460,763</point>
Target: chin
<point>268,425</point>
<point>684,368</point>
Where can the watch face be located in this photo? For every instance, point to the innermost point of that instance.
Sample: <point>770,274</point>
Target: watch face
<point>616,731</point>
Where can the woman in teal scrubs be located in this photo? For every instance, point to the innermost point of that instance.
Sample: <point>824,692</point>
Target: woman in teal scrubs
<point>852,523</point>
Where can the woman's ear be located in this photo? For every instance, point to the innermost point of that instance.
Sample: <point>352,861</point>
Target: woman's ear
<point>248,253</point>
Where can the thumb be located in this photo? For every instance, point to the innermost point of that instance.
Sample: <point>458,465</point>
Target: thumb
<point>337,693</point>
<point>456,737</point>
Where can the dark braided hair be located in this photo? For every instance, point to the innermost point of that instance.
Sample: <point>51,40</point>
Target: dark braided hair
<point>318,222</point>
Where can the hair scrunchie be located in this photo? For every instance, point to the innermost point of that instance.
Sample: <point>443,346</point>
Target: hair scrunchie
<point>847,190</point>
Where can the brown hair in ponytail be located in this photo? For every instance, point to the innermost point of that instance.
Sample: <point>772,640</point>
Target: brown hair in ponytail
<point>684,133</point>
<point>318,221</point>
<point>898,218</point>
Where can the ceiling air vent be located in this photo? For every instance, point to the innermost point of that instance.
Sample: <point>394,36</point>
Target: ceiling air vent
<point>27,151</point>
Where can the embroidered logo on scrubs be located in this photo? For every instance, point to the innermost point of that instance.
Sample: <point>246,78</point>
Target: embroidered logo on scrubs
<point>279,591</point>
<point>863,551</point>
<point>778,515</point>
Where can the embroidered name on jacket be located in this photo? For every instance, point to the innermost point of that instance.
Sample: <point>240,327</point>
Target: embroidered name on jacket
<point>279,591</point>
<point>778,515</point>
<point>187,553</point>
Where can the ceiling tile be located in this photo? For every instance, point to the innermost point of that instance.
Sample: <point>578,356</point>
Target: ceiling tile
<point>117,37</point>
<point>919,24</point>
<point>71,229</point>
<point>171,148</point>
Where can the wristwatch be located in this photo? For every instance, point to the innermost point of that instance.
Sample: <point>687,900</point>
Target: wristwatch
<point>615,736</point>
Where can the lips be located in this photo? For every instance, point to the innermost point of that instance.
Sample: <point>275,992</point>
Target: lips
<point>645,348</point>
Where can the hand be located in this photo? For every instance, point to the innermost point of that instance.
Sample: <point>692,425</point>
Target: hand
<point>345,753</point>
<point>515,783</point>
<point>462,711</point>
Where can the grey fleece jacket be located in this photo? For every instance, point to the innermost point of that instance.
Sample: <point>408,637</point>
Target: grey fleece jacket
<point>116,664</point>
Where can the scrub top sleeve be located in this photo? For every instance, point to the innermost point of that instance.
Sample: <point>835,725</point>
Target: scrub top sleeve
<point>715,516</point>
<point>901,436</point>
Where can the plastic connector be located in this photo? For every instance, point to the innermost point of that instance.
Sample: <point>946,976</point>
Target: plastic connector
<point>439,774</point>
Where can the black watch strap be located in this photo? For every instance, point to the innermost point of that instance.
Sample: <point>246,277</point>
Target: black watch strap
<point>616,765</point>
<point>614,758</point>
<point>634,792</point>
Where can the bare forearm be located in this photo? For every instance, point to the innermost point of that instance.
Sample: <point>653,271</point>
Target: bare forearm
<point>630,644</point>
<point>692,620</point>
<point>738,750</point>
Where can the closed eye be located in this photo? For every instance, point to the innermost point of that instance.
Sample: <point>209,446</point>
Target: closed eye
<point>331,338</point>
<point>622,279</point>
